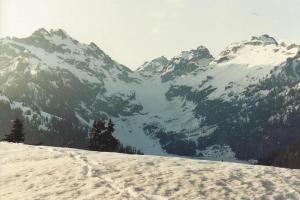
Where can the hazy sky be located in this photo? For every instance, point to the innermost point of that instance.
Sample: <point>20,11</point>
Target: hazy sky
<point>133,31</point>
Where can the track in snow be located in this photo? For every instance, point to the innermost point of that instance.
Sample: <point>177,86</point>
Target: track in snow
<point>30,172</point>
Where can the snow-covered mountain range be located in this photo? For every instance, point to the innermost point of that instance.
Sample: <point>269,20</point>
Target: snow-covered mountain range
<point>243,104</point>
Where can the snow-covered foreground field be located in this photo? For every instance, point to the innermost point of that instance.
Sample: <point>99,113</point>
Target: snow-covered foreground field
<point>32,172</point>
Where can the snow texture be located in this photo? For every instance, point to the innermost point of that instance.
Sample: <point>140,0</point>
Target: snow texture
<point>37,172</point>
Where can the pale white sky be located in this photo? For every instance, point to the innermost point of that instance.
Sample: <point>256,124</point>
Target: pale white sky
<point>134,31</point>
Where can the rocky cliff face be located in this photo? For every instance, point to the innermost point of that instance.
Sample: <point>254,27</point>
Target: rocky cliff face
<point>243,104</point>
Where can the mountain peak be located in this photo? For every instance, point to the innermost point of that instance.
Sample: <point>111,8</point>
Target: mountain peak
<point>265,39</point>
<point>187,62</point>
<point>200,52</point>
<point>155,65</point>
<point>59,32</point>
<point>161,59</point>
<point>40,32</point>
<point>262,40</point>
<point>201,47</point>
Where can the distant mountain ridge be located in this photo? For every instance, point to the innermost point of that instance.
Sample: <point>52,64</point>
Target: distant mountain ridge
<point>243,104</point>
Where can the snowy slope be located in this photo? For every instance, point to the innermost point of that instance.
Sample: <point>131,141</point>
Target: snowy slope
<point>30,172</point>
<point>240,65</point>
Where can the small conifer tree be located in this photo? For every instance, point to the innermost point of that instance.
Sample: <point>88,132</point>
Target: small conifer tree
<point>16,135</point>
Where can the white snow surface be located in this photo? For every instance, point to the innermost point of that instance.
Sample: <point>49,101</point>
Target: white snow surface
<point>38,172</point>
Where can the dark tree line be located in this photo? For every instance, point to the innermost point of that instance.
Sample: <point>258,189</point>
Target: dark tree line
<point>288,157</point>
<point>102,139</point>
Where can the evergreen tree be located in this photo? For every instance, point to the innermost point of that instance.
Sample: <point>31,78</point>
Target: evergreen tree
<point>110,127</point>
<point>16,135</point>
<point>94,138</point>
<point>101,137</point>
